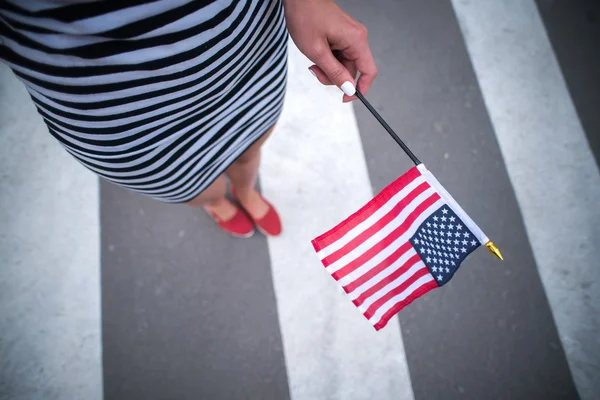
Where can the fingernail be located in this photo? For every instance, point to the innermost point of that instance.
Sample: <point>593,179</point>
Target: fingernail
<point>348,88</point>
<point>312,72</point>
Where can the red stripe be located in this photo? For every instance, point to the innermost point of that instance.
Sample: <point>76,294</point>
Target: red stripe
<point>377,226</point>
<point>395,291</point>
<point>387,280</point>
<point>378,268</point>
<point>385,242</point>
<point>366,211</point>
<point>401,304</point>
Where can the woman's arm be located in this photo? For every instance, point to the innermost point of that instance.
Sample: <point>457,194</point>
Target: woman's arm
<point>333,40</point>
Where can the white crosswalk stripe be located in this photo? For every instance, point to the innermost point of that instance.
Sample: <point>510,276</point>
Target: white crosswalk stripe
<point>550,165</point>
<point>315,169</point>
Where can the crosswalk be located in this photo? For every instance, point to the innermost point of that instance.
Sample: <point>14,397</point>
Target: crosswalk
<point>105,294</point>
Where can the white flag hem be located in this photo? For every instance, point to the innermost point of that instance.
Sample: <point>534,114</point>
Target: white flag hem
<point>447,197</point>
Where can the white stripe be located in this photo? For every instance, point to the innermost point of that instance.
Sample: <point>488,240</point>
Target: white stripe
<point>370,221</point>
<point>550,164</point>
<point>315,173</point>
<point>419,265</point>
<point>386,252</point>
<point>383,274</point>
<point>50,274</point>
<point>453,204</point>
<point>385,231</point>
<point>400,297</point>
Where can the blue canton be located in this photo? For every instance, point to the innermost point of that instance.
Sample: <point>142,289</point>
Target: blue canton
<point>443,241</point>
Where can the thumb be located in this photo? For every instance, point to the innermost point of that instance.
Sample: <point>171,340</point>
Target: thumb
<point>336,72</point>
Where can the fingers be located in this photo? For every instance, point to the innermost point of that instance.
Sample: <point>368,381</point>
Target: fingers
<point>334,70</point>
<point>364,63</point>
<point>320,75</point>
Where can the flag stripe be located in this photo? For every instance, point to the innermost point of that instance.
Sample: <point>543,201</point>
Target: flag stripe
<point>390,279</point>
<point>363,269</point>
<point>380,271</point>
<point>373,229</point>
<point>371,208</point>
<point>396,304</point>
<point>403,284</point>
<point>387,235</point>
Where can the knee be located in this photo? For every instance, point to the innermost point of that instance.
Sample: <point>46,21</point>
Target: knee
<point>249,156</point>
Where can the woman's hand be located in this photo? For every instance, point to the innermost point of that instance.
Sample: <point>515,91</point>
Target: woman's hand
<point>335,42</point>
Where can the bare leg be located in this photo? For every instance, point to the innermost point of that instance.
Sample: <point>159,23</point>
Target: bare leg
<point>243,174</point>
<point>213,199</point>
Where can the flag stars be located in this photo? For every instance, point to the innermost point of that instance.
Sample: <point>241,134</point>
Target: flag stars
<point>433,241</point>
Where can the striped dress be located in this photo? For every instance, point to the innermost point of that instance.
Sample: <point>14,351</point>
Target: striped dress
<point>159,97</point>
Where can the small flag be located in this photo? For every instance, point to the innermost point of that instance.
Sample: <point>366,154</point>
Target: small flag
<point>409,239</point>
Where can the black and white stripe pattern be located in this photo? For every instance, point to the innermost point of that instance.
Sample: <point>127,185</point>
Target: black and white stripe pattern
<point>159,97</point>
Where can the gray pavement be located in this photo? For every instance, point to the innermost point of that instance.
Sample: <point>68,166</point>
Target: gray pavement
<point>187,311</point>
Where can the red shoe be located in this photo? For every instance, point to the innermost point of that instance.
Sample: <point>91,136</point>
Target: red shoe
<point>270,223</point>
<point>239,225</point>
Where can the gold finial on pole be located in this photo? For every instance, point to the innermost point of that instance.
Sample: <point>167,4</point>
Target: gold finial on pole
<point>494,250</point>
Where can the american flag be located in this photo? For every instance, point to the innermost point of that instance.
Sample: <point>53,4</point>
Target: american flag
<point>409,239</point>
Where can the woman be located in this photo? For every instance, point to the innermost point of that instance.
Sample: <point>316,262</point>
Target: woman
<point>168,98</point>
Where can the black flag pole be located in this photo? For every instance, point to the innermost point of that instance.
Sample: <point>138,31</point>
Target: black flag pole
<point>387,127</point>
<point>490,245</point>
